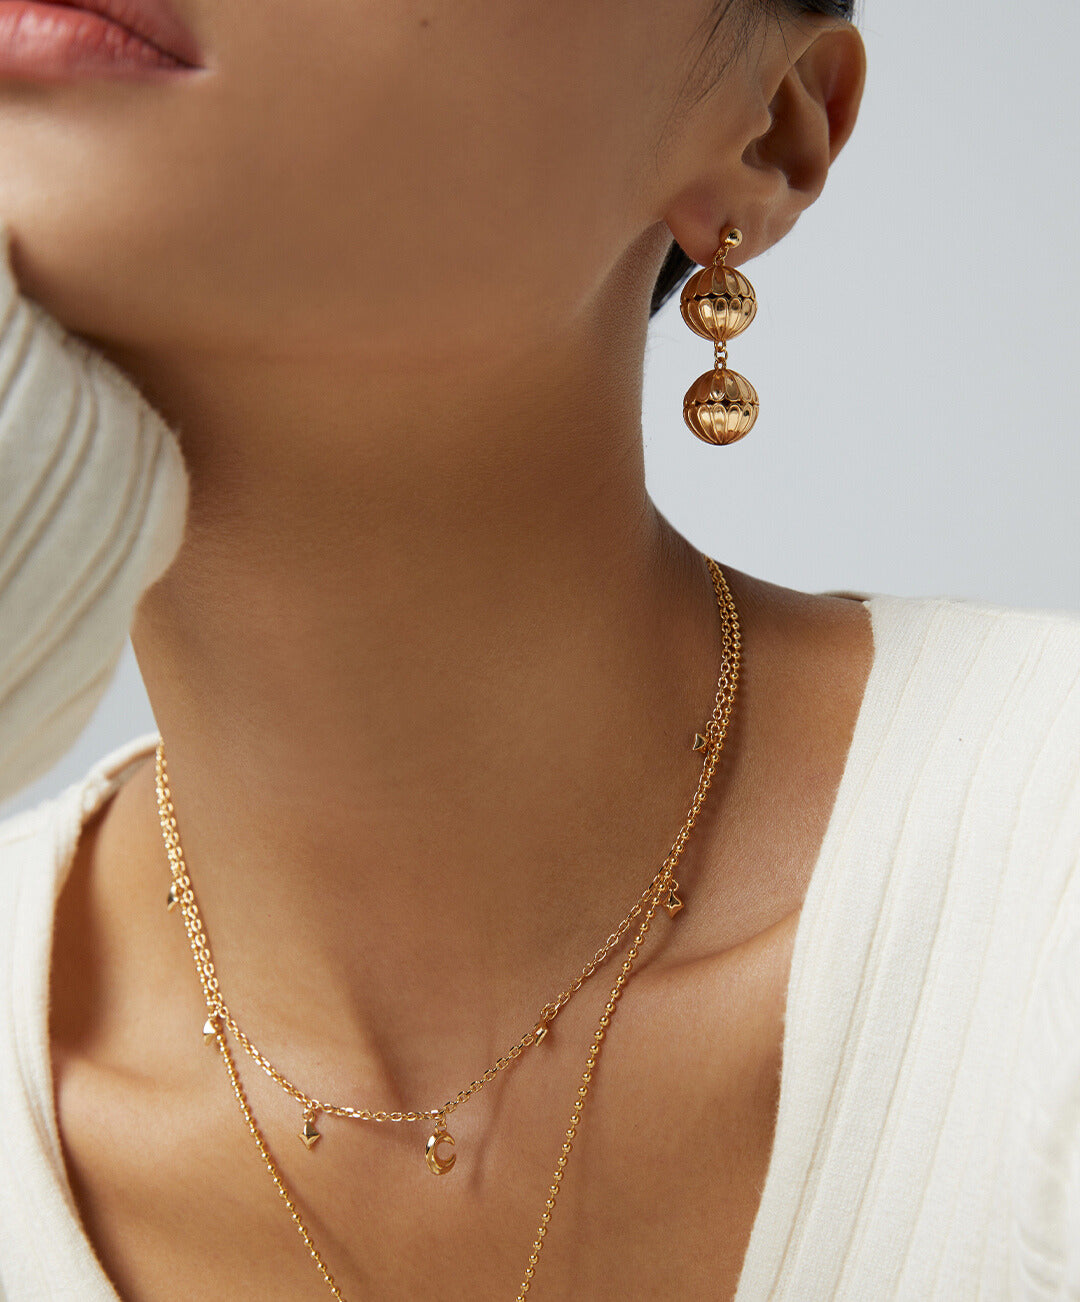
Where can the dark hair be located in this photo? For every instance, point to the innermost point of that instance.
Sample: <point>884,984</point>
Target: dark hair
<point>676,265</point>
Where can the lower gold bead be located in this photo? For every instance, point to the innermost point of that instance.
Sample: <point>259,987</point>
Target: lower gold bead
<point>720,406</point>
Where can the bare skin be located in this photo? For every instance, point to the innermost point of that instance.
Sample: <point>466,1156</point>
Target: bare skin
<point>428,661</point>
<point>666,1174</point>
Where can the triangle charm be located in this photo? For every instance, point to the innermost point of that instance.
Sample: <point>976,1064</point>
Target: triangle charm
<point>541,1031</point>
<point>174,898</point>
<point>700,743</point>
<point>209,1030</point>
<point>673,904</point>
<point>309,1134</point>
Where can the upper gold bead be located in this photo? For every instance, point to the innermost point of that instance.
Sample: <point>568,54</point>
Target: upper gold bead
<point>718,302</point>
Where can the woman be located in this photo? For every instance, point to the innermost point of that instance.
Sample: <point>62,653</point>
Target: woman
<point>343,419</point>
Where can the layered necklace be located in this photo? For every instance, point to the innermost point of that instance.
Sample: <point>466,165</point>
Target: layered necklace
<point>440,1147</point>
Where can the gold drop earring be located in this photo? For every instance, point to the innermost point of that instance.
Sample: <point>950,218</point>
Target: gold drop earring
<point>718,303</point>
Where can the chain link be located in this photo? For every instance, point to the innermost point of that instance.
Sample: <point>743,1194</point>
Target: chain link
<point>219,1016</point>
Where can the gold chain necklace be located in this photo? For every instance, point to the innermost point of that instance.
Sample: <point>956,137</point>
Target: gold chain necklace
<point>219,1017</point>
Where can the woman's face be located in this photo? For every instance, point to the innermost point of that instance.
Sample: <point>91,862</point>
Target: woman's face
<point>351,173</point>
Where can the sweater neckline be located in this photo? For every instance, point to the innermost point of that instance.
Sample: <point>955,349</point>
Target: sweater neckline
<point>793,1145</point>
<point>821,1015</point>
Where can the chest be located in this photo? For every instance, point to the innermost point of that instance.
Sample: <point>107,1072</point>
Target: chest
<point>657,1199</point>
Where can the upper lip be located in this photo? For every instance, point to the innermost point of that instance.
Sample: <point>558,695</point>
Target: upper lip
<point>152,20</point>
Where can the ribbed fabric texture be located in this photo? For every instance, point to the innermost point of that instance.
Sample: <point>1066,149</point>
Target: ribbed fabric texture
<point>928,1135</point>
<point>93,496</point>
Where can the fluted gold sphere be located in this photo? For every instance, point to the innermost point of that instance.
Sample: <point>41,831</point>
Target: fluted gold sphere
<point>721,406</point>
<point>718,302</point>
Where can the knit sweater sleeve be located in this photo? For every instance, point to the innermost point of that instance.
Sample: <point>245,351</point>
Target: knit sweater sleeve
<point>93,499</point>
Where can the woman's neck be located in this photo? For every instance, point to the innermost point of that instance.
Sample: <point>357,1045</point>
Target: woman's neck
<point>427,668</point>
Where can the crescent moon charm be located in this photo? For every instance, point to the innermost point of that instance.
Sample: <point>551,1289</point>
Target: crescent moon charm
<point>439,1166</point>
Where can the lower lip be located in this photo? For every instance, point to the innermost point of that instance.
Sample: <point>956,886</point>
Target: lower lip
<point>48,42</point>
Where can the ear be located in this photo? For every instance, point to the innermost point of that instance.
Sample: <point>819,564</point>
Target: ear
<point>806,87</point>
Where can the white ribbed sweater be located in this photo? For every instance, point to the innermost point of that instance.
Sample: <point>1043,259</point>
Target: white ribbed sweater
<point>928,1135</point>
<point>93,494</point>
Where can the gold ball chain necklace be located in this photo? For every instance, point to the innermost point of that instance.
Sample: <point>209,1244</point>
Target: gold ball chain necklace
<point>663,886</point>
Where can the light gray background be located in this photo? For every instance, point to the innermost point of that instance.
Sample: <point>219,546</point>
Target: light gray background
<point>916,348</point>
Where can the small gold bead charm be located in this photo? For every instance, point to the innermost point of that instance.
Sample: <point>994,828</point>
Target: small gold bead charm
<point>438,1165</point>
<point>309,1134</point>
<point>673,904</point>
<point>210,1030</point>
<point>700,743</point>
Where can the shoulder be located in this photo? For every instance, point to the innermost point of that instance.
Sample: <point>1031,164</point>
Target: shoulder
<point>1013,667</point>
<point>1014,684</point>
<point>976,727</point>
<point>39,842</point>
<point>27,844</point>
<point>960,691</point>
<point>970,737</point>
<point>38,847</point>
<point>968,619</point>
